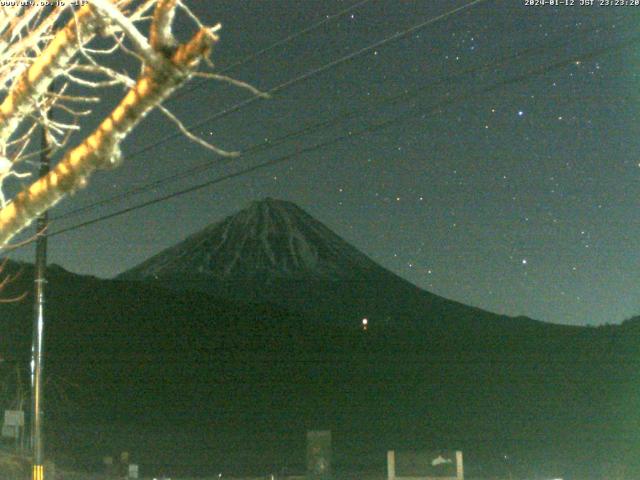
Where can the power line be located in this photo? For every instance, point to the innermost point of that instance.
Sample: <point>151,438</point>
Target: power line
<point>311,74</point>
<point>275,45</point>
<point>276,89</point>
<point>311,128</point>
<point>374,128</point>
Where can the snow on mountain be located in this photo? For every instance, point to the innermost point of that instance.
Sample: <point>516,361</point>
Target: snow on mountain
<point>269,239</point>
<point>275,252</point>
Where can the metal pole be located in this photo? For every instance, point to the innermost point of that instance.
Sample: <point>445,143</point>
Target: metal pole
<point>37,347</point>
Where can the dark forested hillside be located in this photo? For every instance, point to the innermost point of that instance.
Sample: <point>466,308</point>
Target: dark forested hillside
<point>189,382</point>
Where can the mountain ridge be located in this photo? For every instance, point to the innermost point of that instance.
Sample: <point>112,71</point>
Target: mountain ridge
<point>274,251</point>
<point>273,237</point>
<point>155,363</point>
<point>259,359</point>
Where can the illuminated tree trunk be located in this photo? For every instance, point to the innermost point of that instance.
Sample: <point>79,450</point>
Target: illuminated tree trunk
<point>165,67</point>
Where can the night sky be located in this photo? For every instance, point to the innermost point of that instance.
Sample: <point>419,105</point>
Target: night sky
<point>507,177</point>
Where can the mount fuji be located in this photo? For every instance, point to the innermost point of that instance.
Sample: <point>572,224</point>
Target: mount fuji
<point>271,239</point>
<point>273,251</point>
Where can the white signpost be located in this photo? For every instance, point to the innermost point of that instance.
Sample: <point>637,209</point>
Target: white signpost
<point>13,426</point>
<point>441,465</point>
<point>133,471</point>
<point>13,423</point>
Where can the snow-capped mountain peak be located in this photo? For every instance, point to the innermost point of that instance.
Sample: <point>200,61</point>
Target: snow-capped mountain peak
<point>269,238</point>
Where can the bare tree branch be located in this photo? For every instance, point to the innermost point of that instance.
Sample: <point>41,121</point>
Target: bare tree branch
<point>31,86</point>
<point>185,131</point>
<point>141,46</point>
<point>39,45</point>
<point>102,148</point>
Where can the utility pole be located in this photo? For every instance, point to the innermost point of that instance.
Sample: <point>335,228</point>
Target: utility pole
<point>37,346</point>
